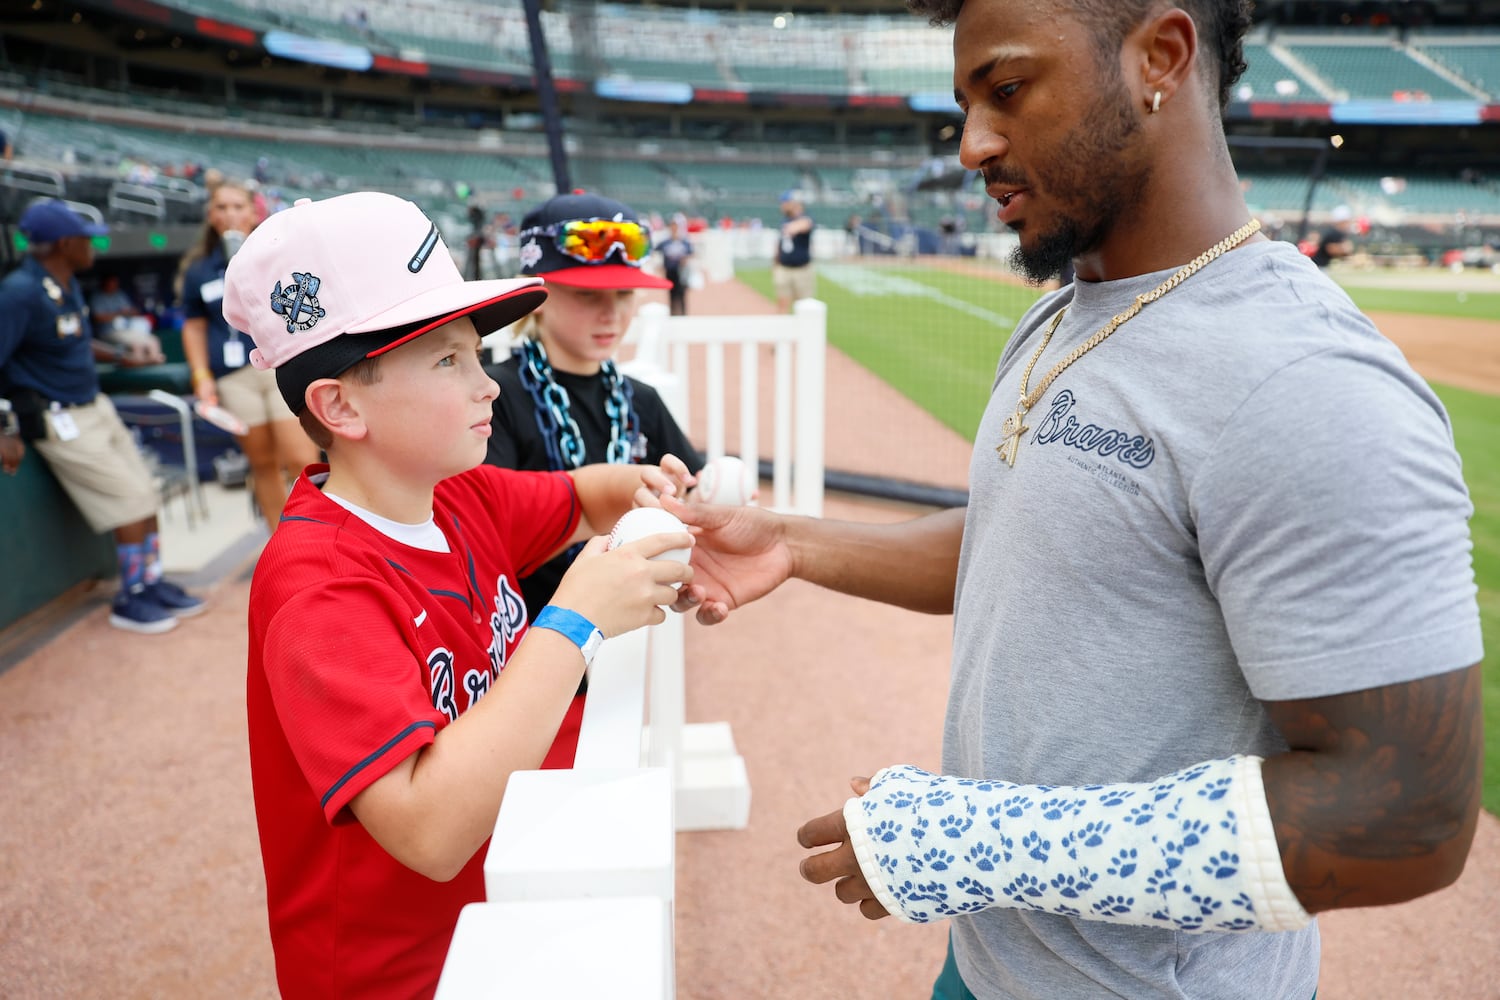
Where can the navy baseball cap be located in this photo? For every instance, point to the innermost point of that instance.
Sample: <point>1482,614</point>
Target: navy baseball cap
<point>52,220</point>
<point>587,241</point>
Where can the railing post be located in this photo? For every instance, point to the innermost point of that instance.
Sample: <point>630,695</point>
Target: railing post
<point>812,345</point>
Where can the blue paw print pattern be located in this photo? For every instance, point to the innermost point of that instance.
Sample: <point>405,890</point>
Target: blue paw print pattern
<point>955,826</point>
<point>1222,865</point>
<point>1036,845</point>
<point>972,887</point>
<point>1015,806</point>
<point>1192,832</point>
<point>1092,834</point>
<point>1071,886</point>
<point>1025,889</point>
<point>1056,808</point>
<point>1215,789</point>
<point>1159,854</point>
<point>982,856</point>
<point>901,799</point>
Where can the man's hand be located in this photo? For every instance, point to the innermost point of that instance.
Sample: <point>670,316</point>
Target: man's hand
<point>12,450</point>
<point>741,555</point>
<point>839,863</point>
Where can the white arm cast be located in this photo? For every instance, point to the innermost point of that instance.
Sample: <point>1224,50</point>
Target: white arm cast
<point>1192,851</point>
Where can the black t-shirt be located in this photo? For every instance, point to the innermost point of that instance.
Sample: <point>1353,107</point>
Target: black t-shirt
<point>517,443</point>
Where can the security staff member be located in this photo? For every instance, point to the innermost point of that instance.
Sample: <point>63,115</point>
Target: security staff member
<point>47,375</point>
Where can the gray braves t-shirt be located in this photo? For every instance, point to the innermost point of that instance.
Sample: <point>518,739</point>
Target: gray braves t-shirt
<point>1244,494</point>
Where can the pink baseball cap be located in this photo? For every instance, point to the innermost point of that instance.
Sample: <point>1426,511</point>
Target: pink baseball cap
<point>362,263</point>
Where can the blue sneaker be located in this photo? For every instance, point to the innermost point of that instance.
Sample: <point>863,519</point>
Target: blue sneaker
<point>139,612</point>
<point>177,601</point>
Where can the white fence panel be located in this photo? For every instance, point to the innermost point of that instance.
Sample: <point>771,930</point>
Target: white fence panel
<point>580,873</point>
<point>799,343</point>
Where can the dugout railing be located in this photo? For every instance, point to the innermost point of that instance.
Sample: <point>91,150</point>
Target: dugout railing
<point>580,871</point>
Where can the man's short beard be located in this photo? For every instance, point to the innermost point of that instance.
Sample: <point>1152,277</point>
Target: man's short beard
<point>1051,254</point>
<point>1098,178</point>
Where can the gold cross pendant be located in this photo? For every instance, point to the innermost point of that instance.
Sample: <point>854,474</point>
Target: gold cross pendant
<point>1010,435</point>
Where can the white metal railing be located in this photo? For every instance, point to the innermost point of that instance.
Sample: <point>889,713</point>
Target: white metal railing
<point>580,872</point>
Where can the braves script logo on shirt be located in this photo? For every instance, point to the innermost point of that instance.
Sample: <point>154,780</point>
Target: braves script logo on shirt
<point>1060,426</point>
<point>440,670</point>
<point>505,622</point>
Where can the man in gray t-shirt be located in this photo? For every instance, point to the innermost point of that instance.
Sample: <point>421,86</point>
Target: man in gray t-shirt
<point>1247,550</point>
<point>1216,642</point>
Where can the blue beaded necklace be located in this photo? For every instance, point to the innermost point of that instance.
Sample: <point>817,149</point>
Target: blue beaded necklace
<point>552,409</point>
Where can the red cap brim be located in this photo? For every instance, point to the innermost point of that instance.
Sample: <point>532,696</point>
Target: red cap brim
<point>604,276</point>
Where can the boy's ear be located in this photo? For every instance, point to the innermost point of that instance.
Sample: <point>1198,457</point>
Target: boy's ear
<point>328,399</point>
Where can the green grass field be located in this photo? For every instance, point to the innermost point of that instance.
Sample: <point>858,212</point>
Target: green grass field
<point>936,337</point>
<point>1465,305</point>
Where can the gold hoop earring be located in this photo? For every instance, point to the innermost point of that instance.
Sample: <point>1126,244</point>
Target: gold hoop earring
<point>1156,103</point>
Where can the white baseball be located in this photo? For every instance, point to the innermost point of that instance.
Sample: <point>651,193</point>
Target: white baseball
<point>639,522</point>
<point>727,480</point>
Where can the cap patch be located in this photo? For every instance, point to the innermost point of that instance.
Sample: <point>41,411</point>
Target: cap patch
<point>531,253</point>
<point>298,302</point>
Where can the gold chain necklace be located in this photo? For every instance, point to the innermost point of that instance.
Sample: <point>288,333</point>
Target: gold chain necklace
<point>1014,426</point>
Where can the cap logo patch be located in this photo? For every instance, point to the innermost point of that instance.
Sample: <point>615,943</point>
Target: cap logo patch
<point>424,251</point>
<point>298,302</point>
<point>531,253</point>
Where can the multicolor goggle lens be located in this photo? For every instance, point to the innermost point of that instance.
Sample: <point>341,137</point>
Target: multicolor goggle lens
<point>593,240</point>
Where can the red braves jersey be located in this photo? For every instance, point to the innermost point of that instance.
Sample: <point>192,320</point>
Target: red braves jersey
<point>361,650</point>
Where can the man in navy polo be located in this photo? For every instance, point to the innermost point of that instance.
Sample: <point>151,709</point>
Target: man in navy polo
<point>48,380</point>
<point>792,275</point>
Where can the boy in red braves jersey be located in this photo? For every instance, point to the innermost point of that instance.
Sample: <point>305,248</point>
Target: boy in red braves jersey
<point>386,604</point>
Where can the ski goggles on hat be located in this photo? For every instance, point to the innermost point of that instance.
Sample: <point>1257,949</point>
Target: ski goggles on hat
<point>592,241</point>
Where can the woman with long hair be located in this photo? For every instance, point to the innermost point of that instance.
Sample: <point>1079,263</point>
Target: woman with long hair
<point>219,356</point>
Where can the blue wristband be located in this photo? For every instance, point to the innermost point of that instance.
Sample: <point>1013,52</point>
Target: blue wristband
<point>577,628</point>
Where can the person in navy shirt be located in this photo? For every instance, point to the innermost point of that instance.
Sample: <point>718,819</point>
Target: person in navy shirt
<point>51,393</point>
<point>674,258</point>
<point>275,447</point>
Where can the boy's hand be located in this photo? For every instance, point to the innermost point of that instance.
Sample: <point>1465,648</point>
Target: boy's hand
<point>671,478</point>
<point>622,589</point>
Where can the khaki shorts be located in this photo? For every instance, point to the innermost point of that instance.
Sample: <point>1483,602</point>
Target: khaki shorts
<point>101,469</point>
<point>250,393</point>
<point>793,283</point>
